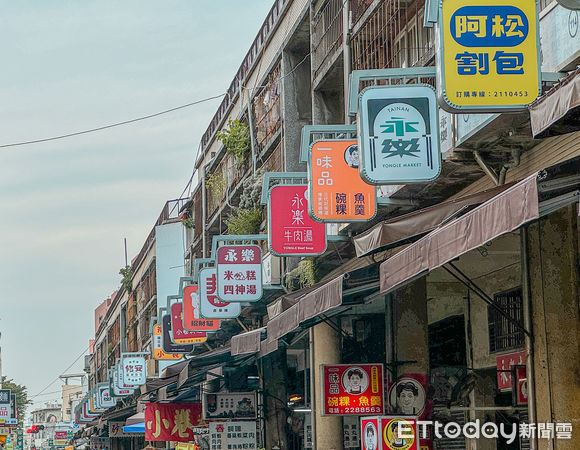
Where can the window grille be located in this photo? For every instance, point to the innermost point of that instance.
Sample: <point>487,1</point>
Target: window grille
<point>503,334</point>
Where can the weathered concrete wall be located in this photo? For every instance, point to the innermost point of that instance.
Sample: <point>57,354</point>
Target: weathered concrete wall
<point>554,287</point>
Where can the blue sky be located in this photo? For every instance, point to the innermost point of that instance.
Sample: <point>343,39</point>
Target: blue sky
<point>66,205</point>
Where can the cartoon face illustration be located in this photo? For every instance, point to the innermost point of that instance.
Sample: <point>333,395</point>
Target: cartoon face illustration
<point>351,156</point>
<point>370,436</point>
<point>407,397</point>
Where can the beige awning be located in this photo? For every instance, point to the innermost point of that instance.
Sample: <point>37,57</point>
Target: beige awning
<point>247,343</point>
<point>555,105</point>
<point>319,301</point>
<point>503,213</point>
<point>268,346</point>
<point>402,229</point>
<point>135,418</point>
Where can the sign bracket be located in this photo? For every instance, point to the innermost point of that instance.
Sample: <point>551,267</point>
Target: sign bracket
<point>233,238</point>
<point>199,264</point>
<point>324,132</point>
<point>404,73</point>
<point>272,176</point>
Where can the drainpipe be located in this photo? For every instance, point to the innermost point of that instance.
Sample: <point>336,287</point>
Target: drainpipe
<point>488,170</point>
<point>527,297</point>
<point>312,387</point>
<point>203,212</point>
<point>346,56</point>
<point>516,153</point>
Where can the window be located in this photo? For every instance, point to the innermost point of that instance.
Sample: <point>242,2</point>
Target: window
<point>503,334</point>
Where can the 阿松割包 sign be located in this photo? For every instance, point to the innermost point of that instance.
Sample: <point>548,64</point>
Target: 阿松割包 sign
<point>337,192</point>
<point>239,273</point>
<point>488,58</point>
<point>399,134</point>
<point>291,231</point>
<point>211,307</point>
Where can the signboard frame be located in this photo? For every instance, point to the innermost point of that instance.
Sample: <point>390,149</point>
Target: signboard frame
<point>442,98</point>
<point>406,94</point>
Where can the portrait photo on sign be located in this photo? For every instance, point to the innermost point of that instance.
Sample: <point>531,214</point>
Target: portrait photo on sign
<point>370,436</point>
<point>351,157</point>
<point>394,433</point>
<point>355,381</point>
<point>407,396</point>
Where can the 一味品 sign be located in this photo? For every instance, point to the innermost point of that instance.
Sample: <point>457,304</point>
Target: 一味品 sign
<point>488,55</point>
<point>399,134</point>
<point>291,231</point>
<point>337,192</point>
<point>352,389</point>
<point>239,273</point>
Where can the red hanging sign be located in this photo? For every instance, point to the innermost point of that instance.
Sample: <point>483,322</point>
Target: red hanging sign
<point>192,319</point>
<point>181,335</point>
<point>171,421</point>
<point>353,389</point>
<point>291,231</point>
<point>504,367</point>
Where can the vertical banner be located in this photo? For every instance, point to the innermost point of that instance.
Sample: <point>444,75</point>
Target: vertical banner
<point>371,433</point>
<point>489,55</point>
<point>211,307</point>
<point>291,231</point>
<point>192,319</point>
<point>239,273</point>
<point>337,192</point>
<point>232,435</point>
<point>352,389</point>
<point>169,266</point>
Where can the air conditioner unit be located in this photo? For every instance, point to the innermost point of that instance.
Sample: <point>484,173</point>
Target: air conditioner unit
<point>271,269</point>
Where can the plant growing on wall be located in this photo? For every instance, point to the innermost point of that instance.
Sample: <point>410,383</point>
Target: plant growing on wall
<point>188,222</point>
<point>127,280</point>
<point>302,276</point>
<point>236,140</point>
<point>252,190</point>
<point>245,221</point>
<point>215,183</point>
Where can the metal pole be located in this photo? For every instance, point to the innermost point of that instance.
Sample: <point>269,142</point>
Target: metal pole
<point>528,323</point>
<point>312,387</point>
<point>346,56</point>
<point>203,212</point>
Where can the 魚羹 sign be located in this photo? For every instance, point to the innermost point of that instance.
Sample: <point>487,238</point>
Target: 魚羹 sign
<point>171,421</point>
<point>134,369</point>
<point>291,231</point>
<point>211,307</point>
<point>192,319</point>
<point>239,273</point>
<point>488,58</point>
<point>399,134</point>
<point>179,334</point>
<point>353,389</point>
<point>337,192</point>
<point>157,347</point>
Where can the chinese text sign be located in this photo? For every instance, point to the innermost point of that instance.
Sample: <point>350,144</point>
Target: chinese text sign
<point>504,365</point>
<point>171,422</point>
<point>211,307</point>
<point>239,273</point>
<point>192,319</point>
<point>353,389</point>
<point>180,334</point>
<point>291,231</point>
<point>158,352</point>
<point>490,54</point>
<point>134,370</point>
<point>232,435</point>
<point>399,134</point>
<point>337,192</point>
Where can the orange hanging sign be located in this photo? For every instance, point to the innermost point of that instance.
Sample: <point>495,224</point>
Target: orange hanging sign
<point>337,192</point>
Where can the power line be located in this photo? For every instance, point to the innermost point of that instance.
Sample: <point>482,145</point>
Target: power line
<point>113,125</point>
<point>64,371</point>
